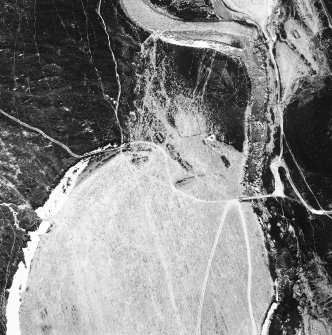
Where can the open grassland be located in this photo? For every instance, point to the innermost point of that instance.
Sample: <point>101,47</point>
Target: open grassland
<point>131,253</point>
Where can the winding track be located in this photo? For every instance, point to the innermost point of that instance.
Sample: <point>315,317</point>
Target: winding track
<point>154,20</point>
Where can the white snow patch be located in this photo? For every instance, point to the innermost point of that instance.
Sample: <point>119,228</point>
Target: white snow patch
<point>54,203</point>
<point>199,44</point>
<point>268,320</point>
<point>278,185</point>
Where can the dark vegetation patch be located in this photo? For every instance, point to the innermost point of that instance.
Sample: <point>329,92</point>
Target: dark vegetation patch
<point>57,74</point>
<point>308,130</point>
<point>188,10</point>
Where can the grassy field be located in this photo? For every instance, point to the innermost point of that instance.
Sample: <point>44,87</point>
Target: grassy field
<point>132,253</point>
